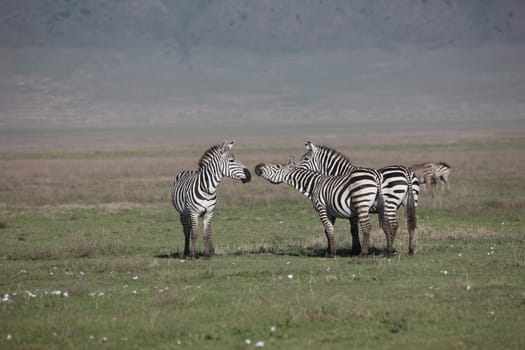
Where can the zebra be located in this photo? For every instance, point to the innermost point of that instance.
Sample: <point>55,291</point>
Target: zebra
<point>426,174</point>
<point>442,171</point>
<point>399,187</point>
<point>349,196</point>
<point>194,193</point>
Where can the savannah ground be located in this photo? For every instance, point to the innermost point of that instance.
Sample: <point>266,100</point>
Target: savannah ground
<point>91,248</point>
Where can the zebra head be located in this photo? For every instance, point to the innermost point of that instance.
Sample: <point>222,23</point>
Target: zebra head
<point>311,160</point>
<point>275,173</point>
<point>232,168</point>
<point>225,163</point>
<point>325,160</point>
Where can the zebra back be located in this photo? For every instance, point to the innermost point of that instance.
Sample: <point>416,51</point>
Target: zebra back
<point>340,194</point>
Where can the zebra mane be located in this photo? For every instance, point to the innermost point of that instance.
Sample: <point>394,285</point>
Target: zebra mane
<point>332,151</point>
<point>211,153</point>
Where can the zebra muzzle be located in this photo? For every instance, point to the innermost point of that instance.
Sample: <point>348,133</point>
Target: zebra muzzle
<point>248,176</point>
<point>258,170</point>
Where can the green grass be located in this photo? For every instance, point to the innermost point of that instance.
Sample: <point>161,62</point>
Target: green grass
<point>84,272</point>
<point>127,287</point>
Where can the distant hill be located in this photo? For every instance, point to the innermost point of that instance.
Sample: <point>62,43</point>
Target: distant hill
<point>262,64</point>
<point>268,24</point>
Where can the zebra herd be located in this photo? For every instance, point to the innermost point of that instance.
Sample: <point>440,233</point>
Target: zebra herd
<point>336,187</point>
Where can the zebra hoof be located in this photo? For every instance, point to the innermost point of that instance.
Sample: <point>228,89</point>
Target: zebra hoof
<point>392,252</point>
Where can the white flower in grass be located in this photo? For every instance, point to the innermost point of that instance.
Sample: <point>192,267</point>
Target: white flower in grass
<point>247,341</point>
<point>29,294</point>
<point>444,272</point>
<point>8,337</point>
<point>468,287</point>
<point>290,277</point>
<point>273,329</point>
<point>259,344</point>
<point>135,278</point>
<point>5,299</point>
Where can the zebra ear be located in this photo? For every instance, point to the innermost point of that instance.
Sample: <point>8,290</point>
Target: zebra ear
<point>309,146</point>
<point>226,146</point>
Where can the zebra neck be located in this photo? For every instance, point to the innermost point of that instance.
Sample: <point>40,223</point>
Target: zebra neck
<point>209,180</point>
<point>341,166</point>
<point>304,181</point>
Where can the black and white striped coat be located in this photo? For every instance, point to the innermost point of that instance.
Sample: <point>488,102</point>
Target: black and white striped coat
<point>399,187</point>
<point>194,193</point>
<point>349,196</point>
<point>426,174</point>
<point>441,173</point>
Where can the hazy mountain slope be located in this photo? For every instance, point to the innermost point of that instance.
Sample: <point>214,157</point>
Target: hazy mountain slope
<point>271,63</point>
<point>261,24</point>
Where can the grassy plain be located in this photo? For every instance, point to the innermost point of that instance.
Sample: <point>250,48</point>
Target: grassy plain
<point>90,249</point>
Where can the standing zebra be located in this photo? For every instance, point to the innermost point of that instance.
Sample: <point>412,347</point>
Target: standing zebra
<point>194,193</point>
<point>349,196</point>
<point>399,186</point>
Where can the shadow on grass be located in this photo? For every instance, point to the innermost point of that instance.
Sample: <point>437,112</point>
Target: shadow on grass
<point>314,252</point>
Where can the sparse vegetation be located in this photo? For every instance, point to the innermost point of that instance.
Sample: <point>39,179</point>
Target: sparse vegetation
<point>91,249</point>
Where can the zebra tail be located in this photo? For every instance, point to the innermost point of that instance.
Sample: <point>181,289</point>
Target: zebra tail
<point>380,206</point>
<point>411,208</point>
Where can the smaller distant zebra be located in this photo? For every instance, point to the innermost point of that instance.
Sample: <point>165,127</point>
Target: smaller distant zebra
<point>194,193</point>
<point>430,173</point>
<point>442,170</point>
<point>425,173</point>
<point>347,196</point>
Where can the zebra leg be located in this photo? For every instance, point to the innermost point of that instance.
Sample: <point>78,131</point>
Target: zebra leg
<point>194,234</point>
<point>390,229</point>
<point>364,222</point>
<point>411,219</point>
<point>354,231</point>
<point>431,184</point>
<point>186,226</point>
<point>209,251</point>
<point>328,223</point>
